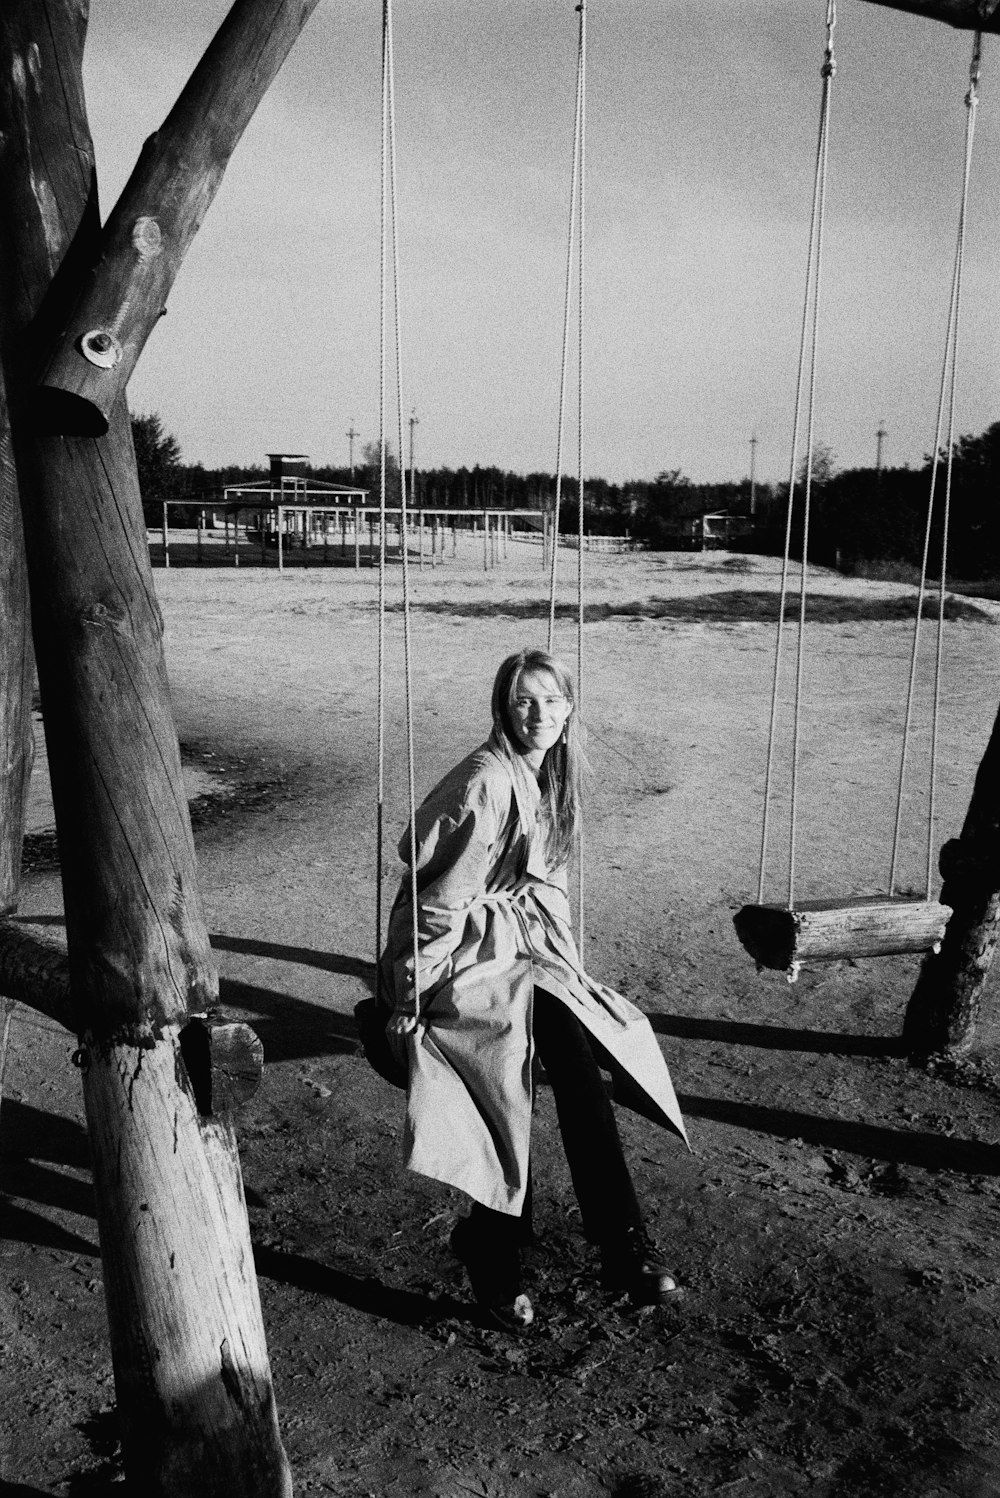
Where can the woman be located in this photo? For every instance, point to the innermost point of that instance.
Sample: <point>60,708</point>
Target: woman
<point>500,981</point>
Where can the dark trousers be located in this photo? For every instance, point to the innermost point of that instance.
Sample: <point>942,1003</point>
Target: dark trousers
<point>601,1178</point>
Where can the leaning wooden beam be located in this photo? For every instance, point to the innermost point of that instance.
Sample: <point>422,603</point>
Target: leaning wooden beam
<point>943,1011</point>
<point>158,214</point>
<point>968,15</point>
<point>193,1381</point>
<point>823,931</point>
<point>17,677</point>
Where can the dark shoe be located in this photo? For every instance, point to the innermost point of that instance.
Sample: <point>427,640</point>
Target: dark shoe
<point>495,1278</point>
<point>632,1265</point>
<point>514,1317</point>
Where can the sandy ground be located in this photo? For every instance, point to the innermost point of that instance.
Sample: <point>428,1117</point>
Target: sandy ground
<point>834,1226</point>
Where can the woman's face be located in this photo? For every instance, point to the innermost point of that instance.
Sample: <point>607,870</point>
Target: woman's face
<point>539,713</point>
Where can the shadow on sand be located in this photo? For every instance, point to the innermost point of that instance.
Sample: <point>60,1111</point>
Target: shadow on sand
<point>369,1295</point>
<point>775,1037</point>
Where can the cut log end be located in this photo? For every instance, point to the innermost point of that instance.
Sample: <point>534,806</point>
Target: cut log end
<point>824,931</point>
<point>63,413</point>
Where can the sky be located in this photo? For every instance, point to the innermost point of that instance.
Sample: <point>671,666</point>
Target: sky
<point>702,118</point>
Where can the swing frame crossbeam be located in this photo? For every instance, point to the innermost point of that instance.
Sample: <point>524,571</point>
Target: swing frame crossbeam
<point>965,15</point>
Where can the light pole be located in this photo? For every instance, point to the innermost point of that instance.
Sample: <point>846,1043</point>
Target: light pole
<point>350,439</point>
<point>753,474</point>
<point>414,422</point>
<point>880,437</point>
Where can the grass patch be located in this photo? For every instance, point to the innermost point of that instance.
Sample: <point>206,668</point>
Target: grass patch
<point>743,606</point>
<point>904,572</point>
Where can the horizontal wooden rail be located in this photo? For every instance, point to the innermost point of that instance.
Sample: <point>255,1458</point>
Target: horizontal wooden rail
<point>224,1060</point>
<point>35,971</point>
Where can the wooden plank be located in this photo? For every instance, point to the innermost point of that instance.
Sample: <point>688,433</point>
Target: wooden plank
<point>827,930</point>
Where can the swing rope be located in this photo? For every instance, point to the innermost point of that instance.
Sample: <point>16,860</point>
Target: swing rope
<point>946,393</point>
<point>574,195</point>
<point>389,231</point>
<point>809,327</point>
<point>576,213</point>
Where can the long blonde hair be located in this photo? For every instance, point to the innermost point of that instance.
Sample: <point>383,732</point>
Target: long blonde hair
<point>562,767</point>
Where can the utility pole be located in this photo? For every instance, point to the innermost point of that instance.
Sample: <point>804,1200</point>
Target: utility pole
<point>414,422</point>
<point>753,474</point>
<point>880,437</point>
<point>350,448</point>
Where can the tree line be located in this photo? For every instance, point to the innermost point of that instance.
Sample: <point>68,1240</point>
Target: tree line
<point>858,515</point>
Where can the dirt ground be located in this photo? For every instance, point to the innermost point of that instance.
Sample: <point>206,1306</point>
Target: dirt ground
<point>835,1225</point>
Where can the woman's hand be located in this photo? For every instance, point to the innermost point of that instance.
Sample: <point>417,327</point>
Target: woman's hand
<point>398,1026</point>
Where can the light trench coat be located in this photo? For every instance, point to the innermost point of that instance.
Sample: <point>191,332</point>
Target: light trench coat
<point>493,923</point>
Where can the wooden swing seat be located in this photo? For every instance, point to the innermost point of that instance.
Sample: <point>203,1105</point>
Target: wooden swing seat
<point>827,930</point>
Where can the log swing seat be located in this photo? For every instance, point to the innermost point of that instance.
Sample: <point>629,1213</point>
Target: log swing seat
<point>784,936</point>
<point>829,930</point>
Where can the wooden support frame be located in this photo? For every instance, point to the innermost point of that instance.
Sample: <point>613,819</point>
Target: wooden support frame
<point>783,939</point>
<point>195,1397</point>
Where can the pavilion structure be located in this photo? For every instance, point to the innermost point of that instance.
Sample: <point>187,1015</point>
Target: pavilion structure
<point>292,511</point>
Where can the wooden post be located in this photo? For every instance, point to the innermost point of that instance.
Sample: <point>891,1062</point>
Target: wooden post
<point>357,541</point>
<point>420,524</point>
<point>263,538</point>
<point>281,553</point>
<point>166,536</point>
<point>486,541</point>
<point>201,524</point>
<point>943,1010</point>
<point>194,1390</point>
<point>236,539</point>
<point>17,673</point>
